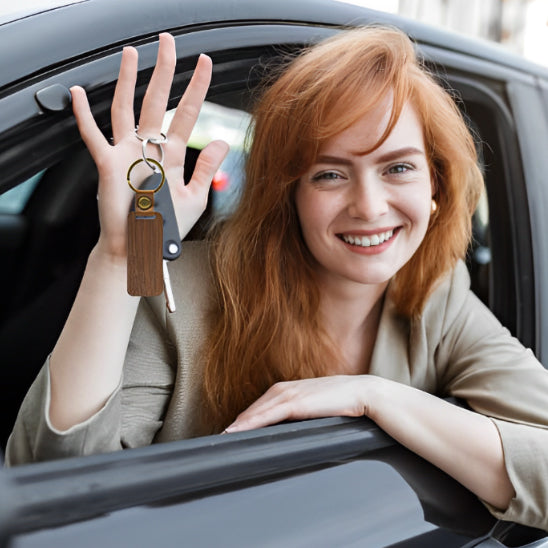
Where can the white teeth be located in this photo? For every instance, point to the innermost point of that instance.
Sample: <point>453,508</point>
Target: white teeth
<point>367,241</point>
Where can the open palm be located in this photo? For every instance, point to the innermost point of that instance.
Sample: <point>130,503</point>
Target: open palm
<point>113,160</point>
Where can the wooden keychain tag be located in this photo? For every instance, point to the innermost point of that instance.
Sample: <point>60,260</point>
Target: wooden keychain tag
<point>144,245</point>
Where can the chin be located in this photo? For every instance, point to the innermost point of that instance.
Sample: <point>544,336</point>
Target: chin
<point>373,277</point>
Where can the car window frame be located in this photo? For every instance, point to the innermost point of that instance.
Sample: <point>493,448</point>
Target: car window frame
<point>52,494</point>
<point>514,279</point>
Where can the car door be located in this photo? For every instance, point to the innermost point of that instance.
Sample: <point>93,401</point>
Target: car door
<point>323,483</point>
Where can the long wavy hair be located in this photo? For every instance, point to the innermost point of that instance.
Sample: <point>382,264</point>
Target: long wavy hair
<point>267,327</point>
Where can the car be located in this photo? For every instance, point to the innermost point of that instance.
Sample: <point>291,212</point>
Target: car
<point>325,482</point>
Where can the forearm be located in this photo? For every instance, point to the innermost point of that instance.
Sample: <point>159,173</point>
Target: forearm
<point>87,361</point>
<point>464,444</point>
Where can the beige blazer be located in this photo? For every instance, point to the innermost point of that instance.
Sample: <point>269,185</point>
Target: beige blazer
<point>458,348</point>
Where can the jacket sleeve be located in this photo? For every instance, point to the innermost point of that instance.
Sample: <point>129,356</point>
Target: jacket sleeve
<point>480,362</point>
<point>130,418</point>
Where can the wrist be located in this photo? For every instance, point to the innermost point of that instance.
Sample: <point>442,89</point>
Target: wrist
<point>102,257</point>
<point>105,270</point>
<point>105,277</point>
<point>375,395</point>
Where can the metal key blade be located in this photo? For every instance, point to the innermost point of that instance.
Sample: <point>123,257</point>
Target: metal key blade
<point>168,291</point>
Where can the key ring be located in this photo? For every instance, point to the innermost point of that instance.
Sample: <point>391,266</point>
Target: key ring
<point>154,140</point>
<point>158,141</point>
<point>148,161</point>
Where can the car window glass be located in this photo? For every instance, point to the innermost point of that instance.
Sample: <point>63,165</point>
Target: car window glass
<point>229,124</point>
<point>14,200</point>
<point>479,257</point>
<point>480,222</point>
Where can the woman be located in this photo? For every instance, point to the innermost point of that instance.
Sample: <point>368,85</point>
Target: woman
<point>337,287</point>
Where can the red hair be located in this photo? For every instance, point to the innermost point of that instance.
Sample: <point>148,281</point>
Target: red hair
<point>267,326</point>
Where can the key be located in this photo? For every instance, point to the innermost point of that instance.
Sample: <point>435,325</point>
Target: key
<point>168,291</point>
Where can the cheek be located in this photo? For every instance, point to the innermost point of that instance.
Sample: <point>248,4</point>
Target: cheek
<point>310,211</point>
<point>419,204</point>
<point>425,210</point>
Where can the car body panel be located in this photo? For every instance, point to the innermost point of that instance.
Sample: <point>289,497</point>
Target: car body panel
<point>299,473</point>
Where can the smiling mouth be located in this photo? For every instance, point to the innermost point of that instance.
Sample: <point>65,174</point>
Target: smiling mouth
<point>367,241</point>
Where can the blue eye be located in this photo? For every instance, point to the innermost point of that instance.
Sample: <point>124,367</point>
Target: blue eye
<point>327,176</point>
<point>400,168</point>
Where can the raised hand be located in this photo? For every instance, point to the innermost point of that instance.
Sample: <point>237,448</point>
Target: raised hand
<point>112,161</point>
<point>87,361</point>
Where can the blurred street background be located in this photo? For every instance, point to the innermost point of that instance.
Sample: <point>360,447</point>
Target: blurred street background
<point>519,25</point>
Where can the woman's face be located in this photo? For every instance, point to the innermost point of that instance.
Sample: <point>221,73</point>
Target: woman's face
<point>364,215</point>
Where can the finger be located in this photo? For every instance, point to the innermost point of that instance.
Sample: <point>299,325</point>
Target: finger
<point>208,163</point>
<point>191,102</point>
<point>272,407</point>
<point>123,119</point>
<point>89,131</point>
<point>249,420</point>
<point>157,94</point>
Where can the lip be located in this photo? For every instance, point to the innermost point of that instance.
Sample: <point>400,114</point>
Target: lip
<point>373,249</point>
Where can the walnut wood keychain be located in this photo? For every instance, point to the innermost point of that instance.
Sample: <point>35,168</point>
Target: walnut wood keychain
<point>145,275</point>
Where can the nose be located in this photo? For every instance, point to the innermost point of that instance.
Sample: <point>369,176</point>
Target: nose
<point>368,199</point>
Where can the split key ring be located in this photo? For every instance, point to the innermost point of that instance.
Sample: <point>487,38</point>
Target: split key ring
<point>157,167</point>
<point>158,141</point>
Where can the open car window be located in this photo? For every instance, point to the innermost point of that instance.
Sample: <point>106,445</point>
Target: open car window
<point>54,225</point>
<point>48,235</point>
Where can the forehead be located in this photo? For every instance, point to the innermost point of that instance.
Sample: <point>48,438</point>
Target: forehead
<point>364,134</point>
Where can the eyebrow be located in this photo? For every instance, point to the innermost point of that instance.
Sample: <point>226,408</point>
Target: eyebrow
<point>387,157</point>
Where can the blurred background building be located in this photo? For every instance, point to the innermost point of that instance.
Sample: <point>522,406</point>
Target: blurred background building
<point>519,25</point>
